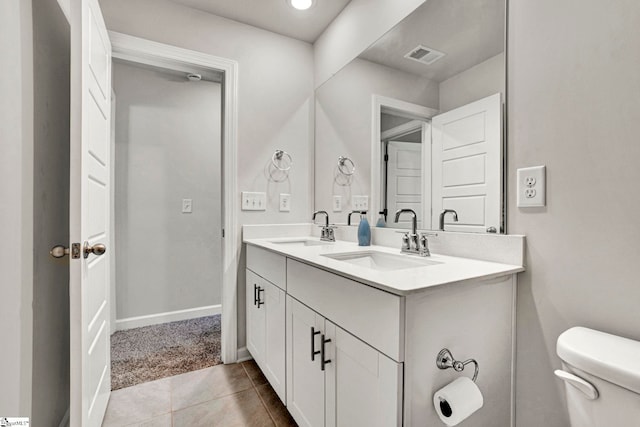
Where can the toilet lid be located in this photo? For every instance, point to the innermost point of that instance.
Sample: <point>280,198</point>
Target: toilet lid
<point>610,357</point>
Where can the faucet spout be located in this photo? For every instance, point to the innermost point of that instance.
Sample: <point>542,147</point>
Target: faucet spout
<point>414,219</point>
<point>442,215</point>
<point>326,217</point>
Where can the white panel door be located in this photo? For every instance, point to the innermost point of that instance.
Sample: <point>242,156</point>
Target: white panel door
<point>467,165</point>
<point>364,387</point>
<point>89,213</point>
<point>305,380</point>
<point>404,180</point>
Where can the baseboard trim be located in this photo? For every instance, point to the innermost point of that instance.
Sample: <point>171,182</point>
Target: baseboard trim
<point>169,316</point>
<point>243,355</point>
<point>65,420</point>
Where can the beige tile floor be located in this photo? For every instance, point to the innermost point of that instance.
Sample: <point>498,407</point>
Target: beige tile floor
<point>223,395</point>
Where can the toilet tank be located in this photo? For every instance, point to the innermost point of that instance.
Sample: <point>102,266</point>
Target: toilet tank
<point>602,378</point>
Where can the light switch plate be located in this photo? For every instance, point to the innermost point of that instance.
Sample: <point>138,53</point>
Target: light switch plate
<point>532,187</point>
<point>337,203</point>
<point>254,201</point>
<point>187,205</point>
<point>361,203</point>
<point>285,202</point>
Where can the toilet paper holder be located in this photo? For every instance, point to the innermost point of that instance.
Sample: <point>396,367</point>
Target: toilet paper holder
<point>445,360</point>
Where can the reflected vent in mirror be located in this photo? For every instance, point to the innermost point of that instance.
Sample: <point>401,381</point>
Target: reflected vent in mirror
<point>424,54</point>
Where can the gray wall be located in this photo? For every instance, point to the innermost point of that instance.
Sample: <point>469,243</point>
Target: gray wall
<point>275,110</point>
<point>16,208</point>
<point>480,81</point>
<point>574,91</point>
<point>167,149</point>
<point>51,34</point>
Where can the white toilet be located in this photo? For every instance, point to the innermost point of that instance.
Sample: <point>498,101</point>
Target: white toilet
<point>602,376</point>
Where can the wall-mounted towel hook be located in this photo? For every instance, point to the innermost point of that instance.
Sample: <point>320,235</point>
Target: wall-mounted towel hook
<point>280,157</point>
<point>445,360</point>
<point>343,166</point>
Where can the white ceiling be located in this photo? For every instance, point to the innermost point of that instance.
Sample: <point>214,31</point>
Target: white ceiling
<point>469,32</point>
<point>275,15</point>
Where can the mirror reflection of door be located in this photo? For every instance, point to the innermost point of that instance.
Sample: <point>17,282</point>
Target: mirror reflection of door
<point>404,179</point>
<point>467,165</point>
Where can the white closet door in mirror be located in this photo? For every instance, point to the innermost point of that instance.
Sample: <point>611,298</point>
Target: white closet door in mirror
<point>467,165</point>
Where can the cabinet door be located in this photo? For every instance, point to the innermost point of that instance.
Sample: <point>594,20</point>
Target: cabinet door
<point>274,345</point>
<point>364,387</point>
<point>256,326</point>
<point>305,380</point>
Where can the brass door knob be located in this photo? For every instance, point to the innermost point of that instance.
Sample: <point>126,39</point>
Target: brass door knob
<point>97,249</point>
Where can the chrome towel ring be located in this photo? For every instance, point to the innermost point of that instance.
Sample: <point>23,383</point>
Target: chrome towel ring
<point>280,158</point>
<point>346,166</point>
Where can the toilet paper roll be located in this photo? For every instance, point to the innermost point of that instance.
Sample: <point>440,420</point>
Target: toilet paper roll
<point>457,400</point>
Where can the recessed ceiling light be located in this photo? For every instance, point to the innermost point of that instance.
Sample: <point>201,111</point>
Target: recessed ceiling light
<point>301,4</point>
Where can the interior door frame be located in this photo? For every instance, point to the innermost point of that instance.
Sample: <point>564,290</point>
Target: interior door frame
<point>135,49</point>
<point>380,104</point>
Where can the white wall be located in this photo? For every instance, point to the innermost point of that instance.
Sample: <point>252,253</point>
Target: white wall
<point>167,144</point>
<point>573,105</point>
<point>51,34</point>
<point>357,27</point>
<point>275,91</point>
<point>482,80</point>
<point>16,208</point>
<point>343,126</point>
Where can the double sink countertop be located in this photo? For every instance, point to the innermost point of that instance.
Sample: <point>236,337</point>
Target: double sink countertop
<point>383,267</point>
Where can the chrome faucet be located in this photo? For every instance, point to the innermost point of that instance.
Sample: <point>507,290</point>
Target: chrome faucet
<point>413,243</point>
<point>326,233</point>
<point>443,213</point>
<point>353,212</point>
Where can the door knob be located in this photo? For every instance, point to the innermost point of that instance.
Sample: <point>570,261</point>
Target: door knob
<point>97,249</point>
<point>60,251</point>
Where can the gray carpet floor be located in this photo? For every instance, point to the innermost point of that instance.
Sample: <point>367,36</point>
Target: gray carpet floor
<point>158,351</point>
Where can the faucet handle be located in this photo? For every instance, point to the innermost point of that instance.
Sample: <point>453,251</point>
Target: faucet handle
<point>423,249</point>
<point>406,245</point>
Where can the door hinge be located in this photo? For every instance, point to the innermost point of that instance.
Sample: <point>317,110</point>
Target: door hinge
<point>386,157</point>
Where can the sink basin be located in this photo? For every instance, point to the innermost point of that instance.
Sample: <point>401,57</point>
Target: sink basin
<point>381,261</point>
<point>301,242</point>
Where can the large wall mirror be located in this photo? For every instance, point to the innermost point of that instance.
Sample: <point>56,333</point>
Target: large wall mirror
<point>418,116</point>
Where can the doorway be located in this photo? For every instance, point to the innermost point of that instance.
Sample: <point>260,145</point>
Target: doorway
<point>166,292</point>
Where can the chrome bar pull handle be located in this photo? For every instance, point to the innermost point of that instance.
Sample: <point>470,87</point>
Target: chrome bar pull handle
<point>313,346</point>
<point>323,361</point>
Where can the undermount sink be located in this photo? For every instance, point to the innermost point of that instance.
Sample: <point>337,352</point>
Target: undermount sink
<point>381,261</point>
<point>301,242</point>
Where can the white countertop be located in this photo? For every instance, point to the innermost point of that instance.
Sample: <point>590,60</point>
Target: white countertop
<point>450,270</point>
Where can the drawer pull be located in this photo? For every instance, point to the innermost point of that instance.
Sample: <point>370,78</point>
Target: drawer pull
<point>313,347</point>
<point>322,351</point>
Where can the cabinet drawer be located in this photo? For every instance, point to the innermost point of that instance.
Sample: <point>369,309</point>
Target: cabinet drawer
<point>268,265</point>
<point>372,315</point>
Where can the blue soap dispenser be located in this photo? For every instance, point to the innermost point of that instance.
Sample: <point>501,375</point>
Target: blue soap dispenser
<point>364,231</point>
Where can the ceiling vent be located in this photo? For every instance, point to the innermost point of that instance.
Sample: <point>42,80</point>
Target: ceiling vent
<point>424,54</point>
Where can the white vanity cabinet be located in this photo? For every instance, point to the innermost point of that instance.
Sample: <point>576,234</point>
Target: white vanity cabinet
<point>265,308</point>
<point>335,379</point>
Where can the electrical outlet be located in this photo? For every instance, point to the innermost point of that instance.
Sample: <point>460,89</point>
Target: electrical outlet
<point>187,205</point>
<point>532,187</point>
<point>337,203</point>
<point>254,201</point>
<point>361,203</point>
<point>285,202</point>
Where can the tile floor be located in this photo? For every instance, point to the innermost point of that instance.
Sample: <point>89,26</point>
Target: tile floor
<point>223,395</point>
